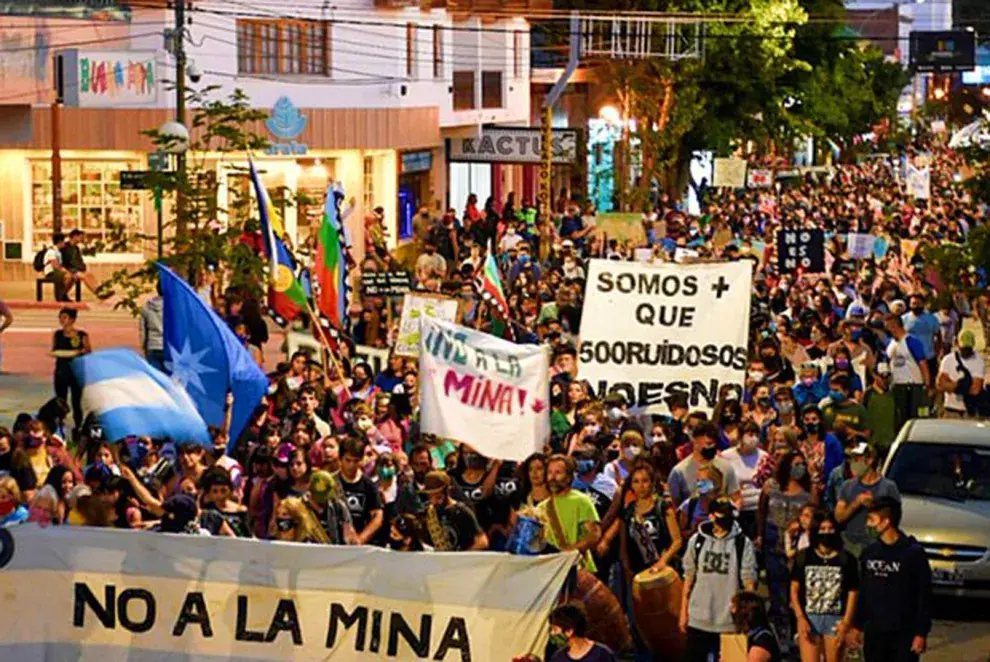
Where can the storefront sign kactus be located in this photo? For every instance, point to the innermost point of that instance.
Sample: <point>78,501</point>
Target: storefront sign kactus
<point>286,122</point>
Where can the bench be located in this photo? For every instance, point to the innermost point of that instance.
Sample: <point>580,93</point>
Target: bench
<point>39,289</point>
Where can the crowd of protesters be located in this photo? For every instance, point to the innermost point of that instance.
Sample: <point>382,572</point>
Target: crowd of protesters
<point>778,485</point>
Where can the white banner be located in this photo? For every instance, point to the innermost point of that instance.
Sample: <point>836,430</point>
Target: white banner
<point>919,182</point>
<point>484,391</point>
<point>649,331</point>
<point>73,593</point>
<point>376,357</point>
<point>730,173</point>
<point>759,178</point>
<point>417,306</point>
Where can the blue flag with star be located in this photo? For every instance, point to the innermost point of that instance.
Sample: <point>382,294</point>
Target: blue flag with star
<point>206,358</point>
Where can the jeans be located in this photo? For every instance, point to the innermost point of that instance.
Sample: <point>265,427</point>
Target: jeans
<point>156,358</point>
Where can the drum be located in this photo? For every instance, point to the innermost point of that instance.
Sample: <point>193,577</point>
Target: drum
<point>656,608</point>
<point>606,621</point>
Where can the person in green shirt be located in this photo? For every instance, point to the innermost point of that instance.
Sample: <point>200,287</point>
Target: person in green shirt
<point>840,408</point>
<point>880,410</point>
<point>570,516</point>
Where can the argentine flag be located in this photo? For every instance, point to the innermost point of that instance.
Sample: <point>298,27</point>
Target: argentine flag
<point>131,398</point>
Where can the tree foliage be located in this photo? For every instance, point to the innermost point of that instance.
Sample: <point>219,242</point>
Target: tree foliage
<point>195,239</point>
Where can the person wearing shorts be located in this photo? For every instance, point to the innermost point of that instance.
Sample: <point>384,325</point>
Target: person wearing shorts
<point>824,583</point>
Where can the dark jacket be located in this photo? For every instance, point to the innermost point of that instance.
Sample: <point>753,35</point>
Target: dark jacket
<point>895,588</point>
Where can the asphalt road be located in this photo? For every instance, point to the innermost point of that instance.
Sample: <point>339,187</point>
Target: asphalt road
<point>962,628</point>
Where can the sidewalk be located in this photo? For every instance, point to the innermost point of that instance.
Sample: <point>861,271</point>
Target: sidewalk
<point>20,294</point>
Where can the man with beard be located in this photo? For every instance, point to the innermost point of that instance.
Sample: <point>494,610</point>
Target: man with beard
<point>961,378</point>
<point>573,520</point>
<point>446,525</point>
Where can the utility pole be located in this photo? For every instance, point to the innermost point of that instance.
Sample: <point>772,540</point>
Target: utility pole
<point>178,44</point>
<point>546,124</point>
<point>57,148</point>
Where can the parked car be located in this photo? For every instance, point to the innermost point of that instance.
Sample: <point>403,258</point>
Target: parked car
<point>942,469</point>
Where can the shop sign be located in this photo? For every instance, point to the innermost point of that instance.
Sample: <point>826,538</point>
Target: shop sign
<point>417,161</point>
<point>286,123</point>
<point>496,145</point>
<point>109,79</point>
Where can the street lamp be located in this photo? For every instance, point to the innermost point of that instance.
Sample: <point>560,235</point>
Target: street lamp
<point>176,139</point>
<point>611,115</point>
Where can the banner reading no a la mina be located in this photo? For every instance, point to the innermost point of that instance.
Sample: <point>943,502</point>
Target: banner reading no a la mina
<point>73,593</point>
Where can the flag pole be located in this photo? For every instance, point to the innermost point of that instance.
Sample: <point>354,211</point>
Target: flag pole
<point>326,341</point>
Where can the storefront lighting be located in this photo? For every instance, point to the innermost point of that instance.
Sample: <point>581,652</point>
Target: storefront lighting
<point>986,91</point>
<point>939,93</point>
<point>611,115</point>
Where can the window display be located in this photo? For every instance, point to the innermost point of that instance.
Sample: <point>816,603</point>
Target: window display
<point>91,199</point>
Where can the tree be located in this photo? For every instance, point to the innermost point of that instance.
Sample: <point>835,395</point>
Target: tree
<point>219,127</point>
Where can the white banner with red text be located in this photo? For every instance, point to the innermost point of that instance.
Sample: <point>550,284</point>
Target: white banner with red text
<point>74,593</point>
<point>483,391</point>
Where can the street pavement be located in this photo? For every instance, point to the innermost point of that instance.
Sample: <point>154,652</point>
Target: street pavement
<point>962,628</point>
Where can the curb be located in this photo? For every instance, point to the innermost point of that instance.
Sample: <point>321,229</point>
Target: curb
<point>27,304</point>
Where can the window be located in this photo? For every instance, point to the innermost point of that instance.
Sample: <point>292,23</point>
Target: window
<point>92,200</point>
<point>517,54</point>
<point>491,89</point>
<point>410,50</point>
<point>284,47</point>
<point>464,90</point>
<point>437,51</point>
<point>369,184</point>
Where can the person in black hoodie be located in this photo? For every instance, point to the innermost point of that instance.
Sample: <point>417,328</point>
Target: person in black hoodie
<point>893,611</point>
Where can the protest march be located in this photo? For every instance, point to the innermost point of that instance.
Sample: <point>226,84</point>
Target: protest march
<point>527,441</point>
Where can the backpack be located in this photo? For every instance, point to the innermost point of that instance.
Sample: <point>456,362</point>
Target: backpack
<point>740,541</point>
<point>39,260</point>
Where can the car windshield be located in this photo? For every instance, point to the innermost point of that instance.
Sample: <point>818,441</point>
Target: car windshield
<point>942,470</point>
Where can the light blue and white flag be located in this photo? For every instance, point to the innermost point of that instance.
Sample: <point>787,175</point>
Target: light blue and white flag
<point>130,398</point>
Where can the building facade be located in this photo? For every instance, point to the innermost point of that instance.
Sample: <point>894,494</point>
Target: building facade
<point>365,93</point>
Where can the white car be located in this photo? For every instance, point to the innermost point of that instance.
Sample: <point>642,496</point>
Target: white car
<point>942,469</point>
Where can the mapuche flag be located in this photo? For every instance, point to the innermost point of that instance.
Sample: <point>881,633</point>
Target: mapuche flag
<point>286,297</point>
<point>488,283</point>
<point>330,268</point>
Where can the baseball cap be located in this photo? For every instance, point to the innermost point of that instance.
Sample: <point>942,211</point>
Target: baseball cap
<point>861,448</point>
<point>967,339</point>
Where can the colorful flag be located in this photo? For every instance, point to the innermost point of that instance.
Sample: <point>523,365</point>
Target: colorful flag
<point>330,270</point>
<point>488,282</point>
<point>206,358</point>
<point>286,297</point>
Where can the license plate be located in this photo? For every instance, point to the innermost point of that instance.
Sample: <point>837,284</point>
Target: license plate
<point>947,577</point>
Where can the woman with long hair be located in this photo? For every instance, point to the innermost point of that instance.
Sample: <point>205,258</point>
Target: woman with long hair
<point>533,481</point>
<point>294,522</point>
<point>781,501</point>
<point>824,585</point>
<point>62,481</point>
<point>750,618</point>
<point>649,534</point>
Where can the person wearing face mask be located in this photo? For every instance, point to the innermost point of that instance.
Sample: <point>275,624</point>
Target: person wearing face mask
<point>778,370</point>
<point>783,402</point>
<point>961,378</point>
<point>880,410</point>
<point>821,448</point>
<point>925,327</point>
<point>781,502</point>
<point>744,458</point>
<point>683,479</point>
<point>842,365</point>
<point>589,479</point>
<point>819,342</point>
<point>694,511</point>
<point>568,637</point>
<point>632,447</point>
<point>893,609</point>
<point>839,408</point>
<point>809,389</point>
<point>824,586</point>
<point>719,561</point>
<point>858,494</point>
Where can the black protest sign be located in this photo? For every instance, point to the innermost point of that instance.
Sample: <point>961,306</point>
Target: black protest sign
<point>801,251</point>
<point>385,283</point>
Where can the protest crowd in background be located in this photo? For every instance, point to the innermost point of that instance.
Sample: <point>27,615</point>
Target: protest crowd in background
<point>770,485</point>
